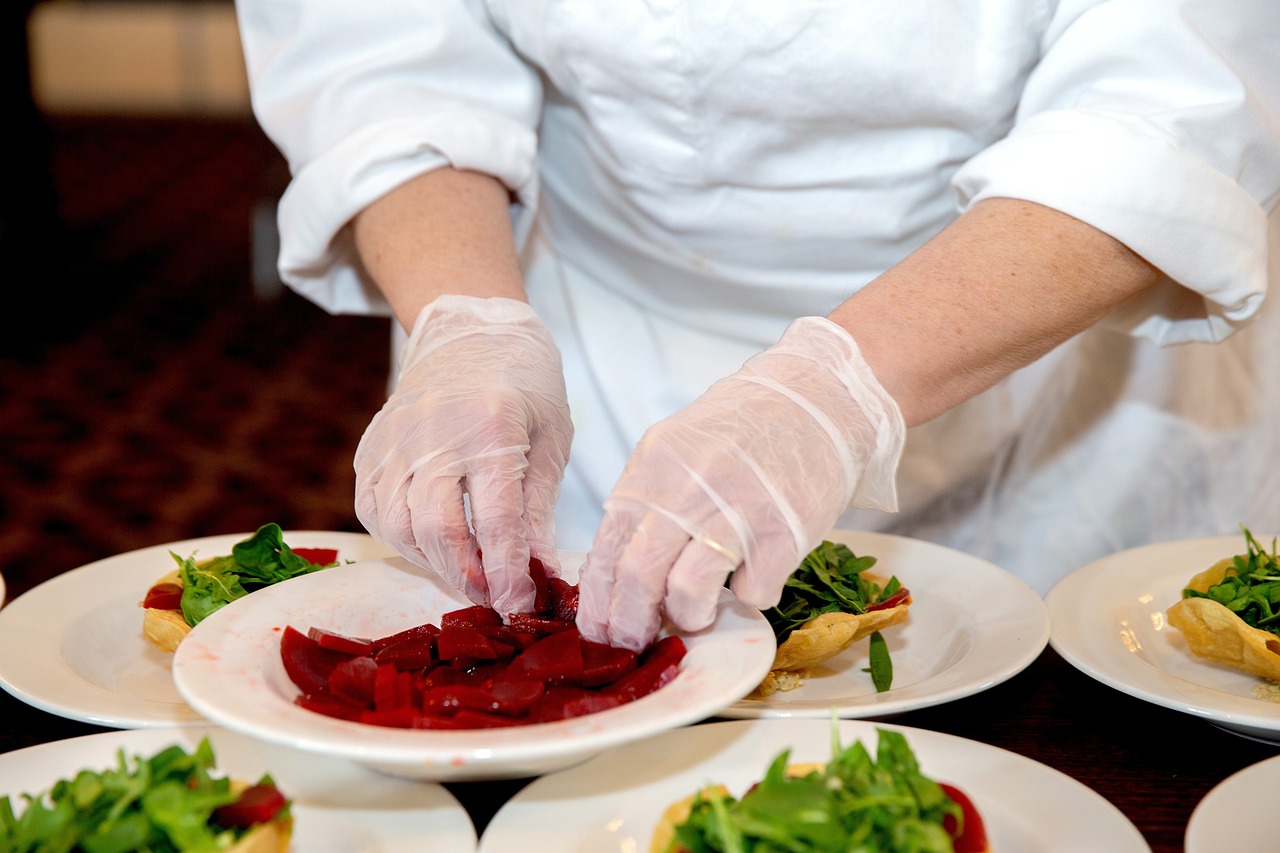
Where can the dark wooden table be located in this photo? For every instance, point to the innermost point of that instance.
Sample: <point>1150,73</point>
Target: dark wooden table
<point>1153,763</point>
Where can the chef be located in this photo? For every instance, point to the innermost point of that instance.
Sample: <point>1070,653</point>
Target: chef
<point>687,284</point>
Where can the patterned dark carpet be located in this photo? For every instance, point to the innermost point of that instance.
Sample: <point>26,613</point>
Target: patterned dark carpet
<point>147,393</point>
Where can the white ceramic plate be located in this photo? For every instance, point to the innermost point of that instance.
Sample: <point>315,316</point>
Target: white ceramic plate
<point>1109,621</point>
<point>1239,813</point>
<point>971,626</point>
<point>337,806</point>
<point>73,645</point>
<point>614,801</point>
<point>229,668</point>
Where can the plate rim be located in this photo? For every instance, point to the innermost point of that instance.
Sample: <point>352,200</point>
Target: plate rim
<point>148,740</point>
<point>40,639</point>
<point>1217,799</point>
<point>447,755</point>
<point>770,732</point>
<point>1068,637</point>
<point>1005,661</point>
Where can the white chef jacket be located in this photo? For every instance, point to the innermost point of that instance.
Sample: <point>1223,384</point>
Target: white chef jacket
<point>692,176</point>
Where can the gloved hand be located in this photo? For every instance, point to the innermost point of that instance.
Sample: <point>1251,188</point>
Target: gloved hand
<point>478,414</point>
<point>746,479</point>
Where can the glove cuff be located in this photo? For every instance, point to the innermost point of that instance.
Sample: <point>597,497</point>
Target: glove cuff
<point>451,316</point>
<point>832,347</point>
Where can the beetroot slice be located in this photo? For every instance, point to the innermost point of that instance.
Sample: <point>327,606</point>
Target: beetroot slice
<point>409,653</point>
<point>416,632</point>
<point>508,636</point>
<point>323,556</point>
<point>474,670</point>
<point>562,703</point>
<point>471,617</point>
<point>564,600</point>
<point>393,689</point>
<point>462,641</point>
<point>306,662</point>
<point>535,624</point>
<point>164,596</point>
<point>256,804</point>
<point>602,664</point>
<point>508,699</point>
<point>329,706</point>
<point>438,721</point>
<point>659,665</point>
<point>340,642</point>
<point>541,585</point>
<point>396,718</point>
<point>555,656</point>
<point>352,681</point>
<point>468,719</point>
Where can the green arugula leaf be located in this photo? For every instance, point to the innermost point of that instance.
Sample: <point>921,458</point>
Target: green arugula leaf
<point>829,580</point>
<point>881,667</point>
<point>1251,588</point>
<point>856,802</point>
<point>160,804</point>
<point>253,563</point>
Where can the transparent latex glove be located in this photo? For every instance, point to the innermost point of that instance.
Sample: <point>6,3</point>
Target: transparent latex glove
<point>746,479</point>
<point>478,414</point>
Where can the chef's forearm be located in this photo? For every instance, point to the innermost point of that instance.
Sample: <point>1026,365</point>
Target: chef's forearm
<point>1001,286</point>
<point>446,231</point>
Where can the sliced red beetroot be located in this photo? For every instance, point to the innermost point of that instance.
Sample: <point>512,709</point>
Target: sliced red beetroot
<point>396,718</point>
<point>440,676</point>
<point>256,804</point>
<point>508,636</point>
<point>393,689</point>
<point>445,699</point>
<point>352,681</point>
<point>556,656</point>
<point>603,664</point>
<point>534,624</point>
<point>659,665</point>
<point>562,703</point>
<point>902,596</point>
<point>461,641</point>
<point>323,556</point>
<point>306,662</point>
<point>437,721</point>
<point>467,719</point>
<point>564,600</point>
<point>408,654</point>
<point>414,633</point>
<point>541,585</point>
<point>508,699</point>
<point>329,706</point>
<point>513,697</point>
<point>340,642</point>
<point>164,596</point>
<point>471,617</point>
<point>645,680</point>
<point>485,672</point>
<point>477,668</point>
<point>971,835</point>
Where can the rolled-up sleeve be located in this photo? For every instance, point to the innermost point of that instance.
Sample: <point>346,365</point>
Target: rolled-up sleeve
<point>1157,122</point>
<point>361,99</point>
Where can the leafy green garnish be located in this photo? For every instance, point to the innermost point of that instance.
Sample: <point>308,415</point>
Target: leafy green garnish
<point>830,580</point>
<point>1251,588</point>
<point>855,803</point>
<point>160,804</point>
<point>253,563</point>
<point>881,667</point>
